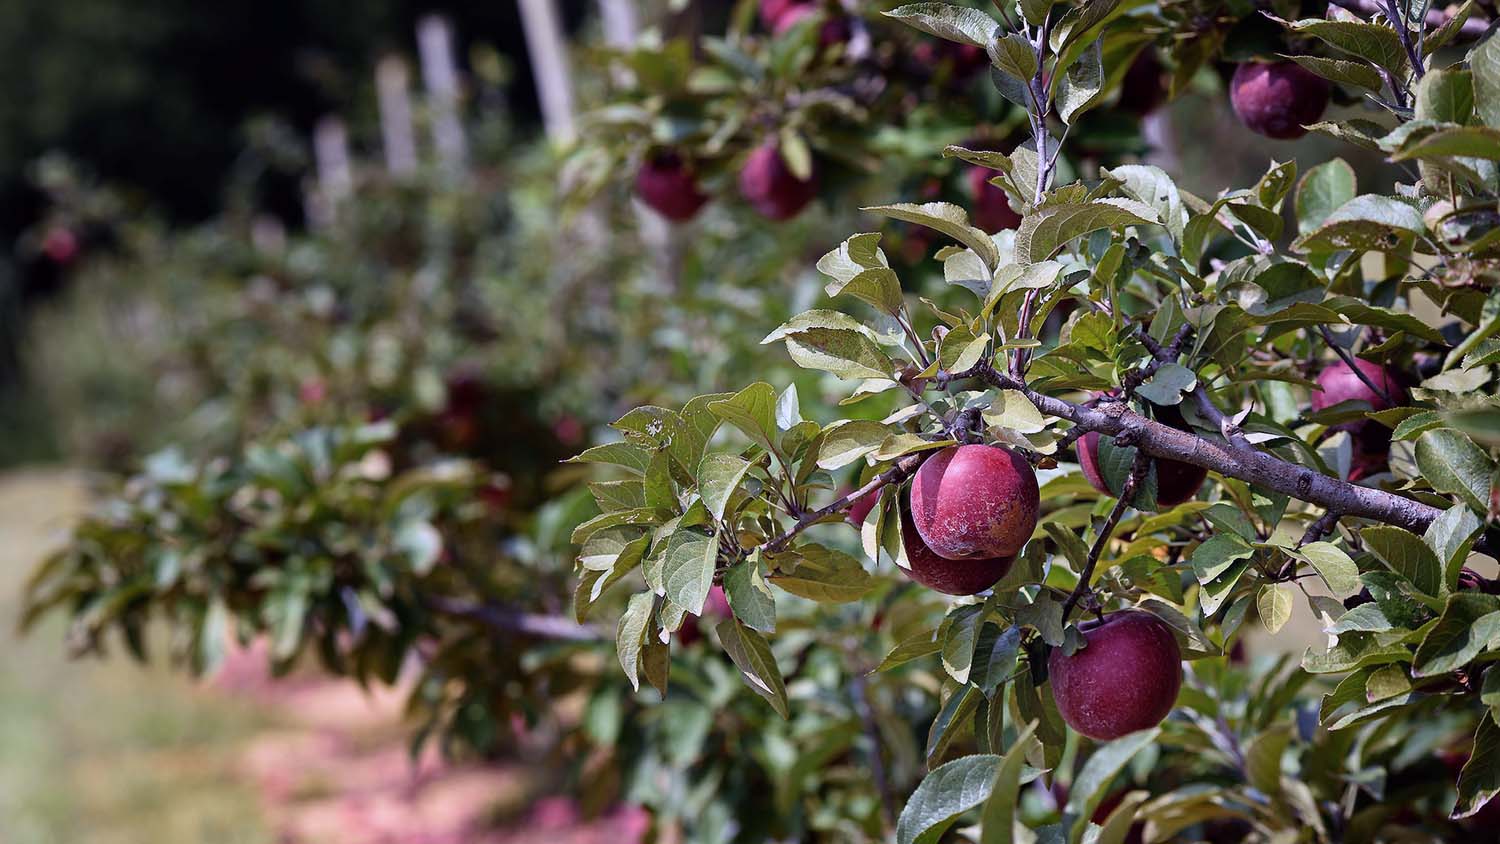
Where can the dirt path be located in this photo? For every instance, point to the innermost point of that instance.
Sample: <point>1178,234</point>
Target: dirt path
<point>99,753</point>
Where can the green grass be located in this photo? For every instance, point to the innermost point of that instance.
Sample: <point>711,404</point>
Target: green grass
<point>105,752</point>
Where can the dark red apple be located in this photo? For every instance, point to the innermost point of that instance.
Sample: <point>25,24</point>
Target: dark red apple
<point>1278,99</point>
<point>992,211</point>
<point>835,28</point>
<point>669,186</point>
<point>1337,383</point>
<point>951,577</point>
<point>60,245</point>
<point>1142,89</point>
<point>770,186</point>
<point>1125,679</point>
<point>975,502</point>
<point>717,606</point>
<point>862,506</point>
<point>1176,481</point>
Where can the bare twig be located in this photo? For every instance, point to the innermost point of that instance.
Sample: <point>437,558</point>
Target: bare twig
<point>1320,528</point>
<point>900,472</point>
<point>860,690</point>
<point>1398,20</point>
<point>1251,465</point>
<point>508,620</point>
<point>1138,471</point>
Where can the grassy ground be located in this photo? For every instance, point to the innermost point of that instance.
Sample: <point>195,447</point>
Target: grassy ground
<point>104,752</point>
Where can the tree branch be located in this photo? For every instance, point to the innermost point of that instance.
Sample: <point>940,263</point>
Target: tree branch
<point>1320,528</point>
<point>1138,470</point>
<point>1435,18</point>
<point>900,472</point>
<point>1250,465</point>
<point>507,620</point>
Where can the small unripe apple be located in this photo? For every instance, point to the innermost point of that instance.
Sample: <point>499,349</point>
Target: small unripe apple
<point>1176,481</point>
<point>1141,89</point>
<point>1125,679</point>
<point>992,211</point>
<point>1278,99</point>
<point>951,577</point>
<point>770,186</point>
<point>669,186</point>
<point>975,502</point>
<point>1337,383</point>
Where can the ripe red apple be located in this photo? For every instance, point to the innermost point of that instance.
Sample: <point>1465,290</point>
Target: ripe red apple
<point>835,28</point>
<point>60,245</point>
<point>669,186</point>
<point>717,606</point>
<point>1141,89</point>
<point>951,577</point>
<point>312,391</point>
<point>770,186</point>
<point>1176,481</point>
<point>1125,679</point>
<point>975,502</point>
<point>1372,440</point>
<point>772,11</point>
<point>862,507</point>
<point>992,211</point>
<point>1277,99</point>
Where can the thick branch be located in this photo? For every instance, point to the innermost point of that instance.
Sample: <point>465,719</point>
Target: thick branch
<point>896,474</point>
<point>1252,466</point>
<point>506,620</point>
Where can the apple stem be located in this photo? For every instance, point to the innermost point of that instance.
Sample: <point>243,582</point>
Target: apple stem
<point>903,469</point>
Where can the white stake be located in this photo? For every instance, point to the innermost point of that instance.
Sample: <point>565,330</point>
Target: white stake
<point>549,63</point>
<point>391,88</point>
<point>440,74</point>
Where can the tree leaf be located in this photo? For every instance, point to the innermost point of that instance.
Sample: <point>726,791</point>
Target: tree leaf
<point>954,23</point>
<point>1263,758</point>
<point>1324,189</point>
<point>1333,565</point>
<point>1365,223</point>
<point>1372,42</point>
<point>1093,782</point>
<point>948,219</point>
<point>821,574</point>
<point>630,634</point>
<point>753,411</point>
<point>688,568</point>
<point>1450,538</point>
<point>1479,781</point>
<point>1341,71</point>
<point>1274,604</point>
<point>959,634</point>
<point>1468,623</point>
<point>1406,554</point>
<point>1152,186</point>
<point>1167,385</point>
<point>719,475</point>
<point>951,721</point>
<point>749,597</point>
<point>998,818</point>
<point>1452,463</point>
<point>751,654</point>
<point>1082,84</point>
<point>945,794</point>
<point>1048,229</point>
<point>847,354</point>
<point>1484,62</point>
<point>913,647</point>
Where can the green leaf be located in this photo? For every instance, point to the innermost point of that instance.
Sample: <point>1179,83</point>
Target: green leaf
<point>952,719</point>
<point>995,658</point>
<point>1011,409</point>
<point>1484,62</point>
<point>1446,95</point>
<point>1333,565</point>
<point>1152,186</point>
<point>1353,651</point>
<point>688,568</point>
<point>1048,229</point>
<point>1326,188</point>
<point>1190,639</point>
<point>954,23</point>
<point>1406,554</point>
<point>1479,781</point>
<point>753,411</point>
<point>1387,682</point>
<point>846,354</point>
<point>948,219</point>
<point>625,455</point>
<point>630,634</point>
<point>1468,623</point>
<point>1013,55</point>
<point>1082,85</point>
<point>998,818</point>
<point>959,634</point>
<point>592,583</point>
<point>1452,463</point>
<point>1263,758</point>
<point>751,654</point>
<point>914,647</point>
<point>850,441</point>
<point>1218,554</point>
<point>1467,141</point>
<point>1365,223</point>
<point>945,794</point>
<point>1093,782</point>
<point>1450,538</point>
<point>821,574</point>
<point>1274,604</point>
<point>1374,43</point>
<point>1341,71</point>
<point>719,475</point>
<point>1167,385</point>
<point>749,597</point>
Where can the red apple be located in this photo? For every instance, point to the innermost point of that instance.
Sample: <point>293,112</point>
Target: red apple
<point>862,506</point>
<point>770,186</point>
<point>835,28</point>
<point>1176,481</point>
<point>1125,679</point>
<point>992,211</point>
<point>1337,383</point>
<point>669,186</point>
<point>1278,99</point>
<point>974,502</point>
<point>951,577</point>
<point>717,606</point>
<point>60,245</point>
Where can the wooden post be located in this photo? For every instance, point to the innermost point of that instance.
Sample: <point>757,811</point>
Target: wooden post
<point>549,64</point>
<point>440,75</point>
<point>391,88</point>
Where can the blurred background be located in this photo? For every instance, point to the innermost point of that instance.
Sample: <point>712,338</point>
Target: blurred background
<point>384,248</point>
